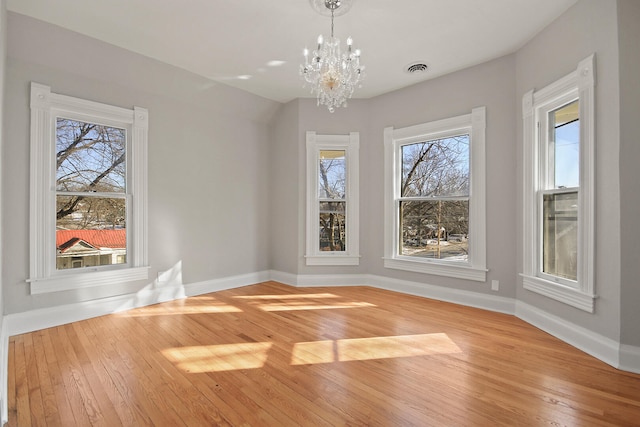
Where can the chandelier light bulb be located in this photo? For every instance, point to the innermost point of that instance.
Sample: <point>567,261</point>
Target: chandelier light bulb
<point>332,75</point>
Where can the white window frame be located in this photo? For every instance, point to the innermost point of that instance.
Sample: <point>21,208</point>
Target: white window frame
<point>473,124</point>
<point>351,146</point>
<point>578,85</point>
<point>46,107</point>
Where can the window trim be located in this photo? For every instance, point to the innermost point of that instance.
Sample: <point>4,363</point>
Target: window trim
<point>351,145</point>
<point>580,85</point>
<point>475,125</point>
<point>45,108</point>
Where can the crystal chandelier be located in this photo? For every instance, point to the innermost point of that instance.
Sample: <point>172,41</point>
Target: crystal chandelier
<point>333,75</point>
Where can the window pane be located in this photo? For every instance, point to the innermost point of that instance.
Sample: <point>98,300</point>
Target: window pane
<point>89,157</point>
<point>435,229</point>
<point>90,231</point>
<point>332,226</point>
<point>566,141</point>
<point>436,168</point>
<point>560,235</point>
<point>331,174</point>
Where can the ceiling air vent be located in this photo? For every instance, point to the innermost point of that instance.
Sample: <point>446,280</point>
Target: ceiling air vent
<point>417,67</point>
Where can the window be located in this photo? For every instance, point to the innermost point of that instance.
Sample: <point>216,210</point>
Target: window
<point>332,199</point>
<point>88,193</point>
<point>558,201</point>
<point>434,197</point>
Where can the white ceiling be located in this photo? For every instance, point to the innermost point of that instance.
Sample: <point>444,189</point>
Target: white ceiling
<point>262,40</point>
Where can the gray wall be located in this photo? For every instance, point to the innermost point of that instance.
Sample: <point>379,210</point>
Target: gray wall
<point>284,188</point>
<point>3,54</point>
<point>588,27</point>
<point>208,158</point>
<point>629,36</point>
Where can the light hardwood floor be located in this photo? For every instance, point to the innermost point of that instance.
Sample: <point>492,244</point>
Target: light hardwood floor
<point>274,355</point>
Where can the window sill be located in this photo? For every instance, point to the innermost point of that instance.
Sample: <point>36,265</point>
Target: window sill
<point>439,269</point>
<point>334,259</point>
<point>65,282</point>
<point>565,294</point>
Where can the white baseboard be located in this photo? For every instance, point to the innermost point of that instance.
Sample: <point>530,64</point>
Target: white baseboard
<point>472,299</point>
<point>332,280</point>
<point>596,345</point>
<point>630,358</point>
<point>457,296</point>
<point>224,283</point>
<point>33,320</point>
<point>282,277</point>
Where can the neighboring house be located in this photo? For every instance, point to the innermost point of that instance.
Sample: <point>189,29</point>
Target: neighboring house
<point>88,248</point>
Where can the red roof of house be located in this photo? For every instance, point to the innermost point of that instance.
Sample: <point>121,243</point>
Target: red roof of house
<point>96,238</point>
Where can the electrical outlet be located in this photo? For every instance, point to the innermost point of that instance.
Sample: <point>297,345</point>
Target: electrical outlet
<point>495,285</point>
<point>161,277</point>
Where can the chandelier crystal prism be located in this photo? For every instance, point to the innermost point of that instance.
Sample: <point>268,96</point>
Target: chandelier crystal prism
<point>332,75</point>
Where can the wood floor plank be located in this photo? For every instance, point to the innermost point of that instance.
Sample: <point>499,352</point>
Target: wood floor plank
<point>11,382</point>
<point>36,405</point>
<point>63,407</point>
<point>274,355</point>
<point>23,400</point>
<point>71,373</point>
<point>50,407</point>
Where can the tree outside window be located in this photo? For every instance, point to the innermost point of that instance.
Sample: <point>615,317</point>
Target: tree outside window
<point>331,197</point>
<point>90,194</point>
<point>434,202</point>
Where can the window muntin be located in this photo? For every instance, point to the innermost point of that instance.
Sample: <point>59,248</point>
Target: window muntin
<point>91,211</point>
<point>435,208</point>
<point>434,199</point>
<point>559,183</point>
<point>332,199</point>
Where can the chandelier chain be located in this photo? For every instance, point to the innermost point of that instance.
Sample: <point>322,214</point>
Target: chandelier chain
<point>332,12</point>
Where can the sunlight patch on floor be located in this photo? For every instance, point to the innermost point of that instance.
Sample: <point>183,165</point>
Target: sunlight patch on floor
<point>294,302</point>
<point>217,358</point>
<point>290,306</point>
<point>212,307</point>
<point>287,296</point>
<point>346,350</point>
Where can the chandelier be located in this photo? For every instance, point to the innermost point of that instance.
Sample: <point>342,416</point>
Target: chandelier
<point>332,75</point>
